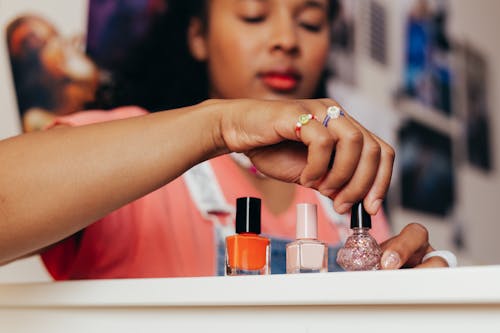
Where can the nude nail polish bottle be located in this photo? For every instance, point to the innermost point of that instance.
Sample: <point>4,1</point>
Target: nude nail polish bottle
<point>361,251</point>
<point>247,253</point>
<point>307,254</point>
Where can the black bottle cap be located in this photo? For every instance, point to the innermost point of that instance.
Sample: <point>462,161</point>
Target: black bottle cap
<point>248,215</point>
<point>359,217</point>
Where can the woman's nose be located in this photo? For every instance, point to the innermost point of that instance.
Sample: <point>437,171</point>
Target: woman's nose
<point>284,35</point>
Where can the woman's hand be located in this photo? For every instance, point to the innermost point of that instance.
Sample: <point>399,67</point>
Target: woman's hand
<point>266,132</point>
<point>407,249</point>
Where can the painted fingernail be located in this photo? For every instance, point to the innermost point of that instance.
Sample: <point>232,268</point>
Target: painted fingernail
<point>376,205</point>
<point>390,260</point>
<point>345,207</point>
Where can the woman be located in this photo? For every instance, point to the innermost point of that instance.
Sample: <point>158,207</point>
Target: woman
<point>268,50</point>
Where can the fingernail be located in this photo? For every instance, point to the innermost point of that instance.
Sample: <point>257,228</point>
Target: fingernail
<point>345,207</point>
<point>376,205</point>
<point>390,260</point>
<point>328,192</point>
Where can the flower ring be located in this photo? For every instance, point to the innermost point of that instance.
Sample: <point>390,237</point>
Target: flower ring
<point>333,112</point>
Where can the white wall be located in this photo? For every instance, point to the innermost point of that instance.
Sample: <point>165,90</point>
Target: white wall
<point>475,22</point>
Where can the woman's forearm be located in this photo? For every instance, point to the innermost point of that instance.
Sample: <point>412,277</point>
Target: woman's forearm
<point>57,182</point>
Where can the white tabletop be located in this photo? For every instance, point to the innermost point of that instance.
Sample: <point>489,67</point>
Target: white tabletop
<point>464,285</point>
<point>432,300</point>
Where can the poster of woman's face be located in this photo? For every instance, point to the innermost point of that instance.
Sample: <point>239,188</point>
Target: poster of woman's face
<point>56,73</point>
<point>52,75</point>
<point>42,65</point>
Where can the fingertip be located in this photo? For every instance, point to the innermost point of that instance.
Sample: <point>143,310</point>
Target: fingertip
<point>343,208</point>
<point>434,262</point>
<point>390,260</point>
<point>374,207</point>
<point>310,181</point>
<point>327,192</point>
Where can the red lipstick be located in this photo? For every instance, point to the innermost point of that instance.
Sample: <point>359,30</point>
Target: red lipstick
<point>281,80</point>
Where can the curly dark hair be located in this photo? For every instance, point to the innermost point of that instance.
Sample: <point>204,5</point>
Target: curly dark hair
<point>160,73</point>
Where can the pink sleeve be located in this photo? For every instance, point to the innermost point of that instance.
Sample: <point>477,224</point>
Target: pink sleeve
<point>98,116</point>
<point>61,260</point>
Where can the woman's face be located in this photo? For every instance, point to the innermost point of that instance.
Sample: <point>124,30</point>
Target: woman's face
<point>30,37</point>
<point>268,49</point>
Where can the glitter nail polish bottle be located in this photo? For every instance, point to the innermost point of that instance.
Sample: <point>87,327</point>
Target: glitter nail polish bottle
<point>361,251</point>
<point>307,254</point>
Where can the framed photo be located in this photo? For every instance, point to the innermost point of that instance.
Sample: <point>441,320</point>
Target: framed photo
<point>428,73</point>
<point>342,61</point>
<point>426,171</point>
<point>477,109</point>
<point>42,62</point>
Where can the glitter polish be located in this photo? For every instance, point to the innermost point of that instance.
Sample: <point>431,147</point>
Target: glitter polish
<point>247,253</point>
<point>307,254</point>
<point>361,251</point>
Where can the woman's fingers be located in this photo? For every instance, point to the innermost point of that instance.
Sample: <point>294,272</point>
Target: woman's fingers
<point>373,199</point>
<point>284,150</point>
<point>362,166</point>
<point>362,180</point>
<point>320,145</point>
<point>433,263</point>
<point>362,163</point>
<point>375,196</point>
<point>348,152</point>
<point>406,249</point>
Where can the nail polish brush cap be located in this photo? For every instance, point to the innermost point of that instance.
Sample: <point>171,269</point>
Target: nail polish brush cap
<point>360,217</point>
<point>307,221</point>
<point>248,215</point>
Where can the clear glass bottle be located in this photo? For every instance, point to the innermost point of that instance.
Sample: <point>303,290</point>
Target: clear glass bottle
<point>361,251</point>
<point>307,254</point>
<point>247,253</point>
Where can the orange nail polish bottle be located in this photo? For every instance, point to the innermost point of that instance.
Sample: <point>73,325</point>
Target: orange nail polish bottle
<point>247,253</point>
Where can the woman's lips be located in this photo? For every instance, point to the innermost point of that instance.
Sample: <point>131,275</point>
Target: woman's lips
<point>280,81</point>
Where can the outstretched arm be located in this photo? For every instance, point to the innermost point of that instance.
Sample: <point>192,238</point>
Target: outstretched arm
<point>57,182</point>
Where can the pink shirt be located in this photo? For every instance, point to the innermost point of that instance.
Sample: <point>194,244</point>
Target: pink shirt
<point>163,234</point>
